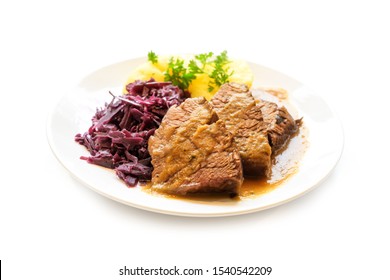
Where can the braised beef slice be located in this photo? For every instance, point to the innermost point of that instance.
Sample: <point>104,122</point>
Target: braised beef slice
<point>192,152</point>
<point>280,124</point>
<point>236,106</point>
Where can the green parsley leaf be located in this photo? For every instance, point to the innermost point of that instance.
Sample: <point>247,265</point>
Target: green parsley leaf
<point>221,59</point>
<point>152,57</point>
<point>203,58</point>
<point>194,68</point>
<point>220,74</point>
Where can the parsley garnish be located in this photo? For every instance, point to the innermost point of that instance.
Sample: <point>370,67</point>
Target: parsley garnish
<point>152,57</point>
<point>204,58</point>
<point>178,74</point>
<point>220,74</point>
<point>215,67</point>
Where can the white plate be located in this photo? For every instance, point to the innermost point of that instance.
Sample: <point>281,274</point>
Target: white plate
<point>73,115</point>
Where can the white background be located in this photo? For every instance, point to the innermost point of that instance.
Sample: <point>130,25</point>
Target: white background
<point>52,227</point>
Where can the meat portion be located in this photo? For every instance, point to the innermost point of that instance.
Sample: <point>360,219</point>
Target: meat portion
<point>280,124</point>
<point>236,106</point>
<point>192,152</point>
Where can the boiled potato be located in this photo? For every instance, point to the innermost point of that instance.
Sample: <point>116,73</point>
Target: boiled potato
<point>242,73</point>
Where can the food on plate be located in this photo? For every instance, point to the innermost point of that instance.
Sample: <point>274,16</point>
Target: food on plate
<point>193,125</point>
<point>118,137</point>
<point>280,124</point>
<point>236,106</point>
<point>192,152</point>
<point>201,75</point>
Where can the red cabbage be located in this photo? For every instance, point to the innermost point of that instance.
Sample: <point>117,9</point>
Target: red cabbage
<point>118,137</point>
